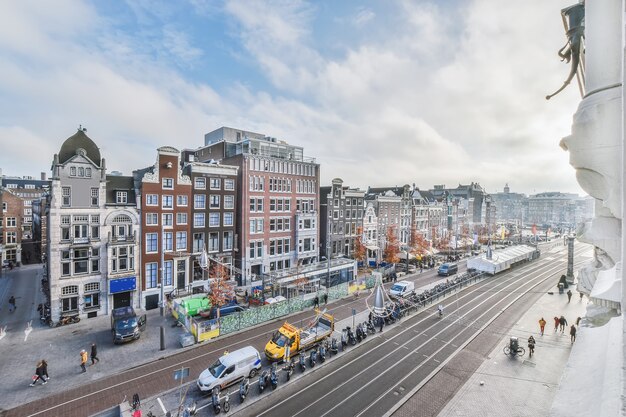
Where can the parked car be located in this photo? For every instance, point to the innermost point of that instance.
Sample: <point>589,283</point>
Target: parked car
<point>7,263</point>
<point>448,269</point>
<point>402,288</point>
<point>230,369</point>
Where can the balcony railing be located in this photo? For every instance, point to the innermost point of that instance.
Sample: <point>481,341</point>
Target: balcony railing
<point>132,238</point>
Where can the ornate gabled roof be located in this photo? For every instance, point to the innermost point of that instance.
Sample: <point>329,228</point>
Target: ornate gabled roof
<point>75,143</point>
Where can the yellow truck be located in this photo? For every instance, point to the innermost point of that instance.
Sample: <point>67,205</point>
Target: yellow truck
<point>321,327</point>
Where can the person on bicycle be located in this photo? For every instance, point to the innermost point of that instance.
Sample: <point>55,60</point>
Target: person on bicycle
<point>440,309</point>
<point>531,345</point>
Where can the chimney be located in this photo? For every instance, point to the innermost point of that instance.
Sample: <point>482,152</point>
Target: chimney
<point>43,176</point>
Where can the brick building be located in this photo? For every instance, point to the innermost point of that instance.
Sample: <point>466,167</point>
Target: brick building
<point>11,221</point>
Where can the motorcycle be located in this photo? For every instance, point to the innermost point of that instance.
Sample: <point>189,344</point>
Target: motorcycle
<point>244,387</point>
<point>334,349</point>
<point>370,327</point>
<point>67,320</point>
<point>359,336</point>
<point>263,378</point>
<point>322,353</point>
<point>351,338</point>
<point>313,358</point>
<point>274,377</point>
<point>190,410</point>
<point>302,362</point>
<point>344,339</point>
<point>289,368</point>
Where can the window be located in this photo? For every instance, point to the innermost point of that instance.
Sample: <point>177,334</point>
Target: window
<point>256,249</point>
<point>228,219</point>
<point>80,260</point>
<point>152,200</point>
<point>228,241</point>
<point>88,172</point>
<point>95,193</point>
<point>198,220</point>
<point>92,295</point>
<point>168,201</point>
<point>214,219</point>
<point>69,302</point>
<point>67,197</point>
<point>214,242</point>
<point>95,232</point>
<point>80,231</point>
<point>199,201</point>
<point>181,241</point>
<point>66,265</point>
<point>4,206</point>
<point>181,218</point>
<point>168,219</point>
<point>214,201</point>
<point>151,275</point>
<point>121,197</point>
<point>11,238</point>
<point>152,219</point>
<point>181,200</point>
<point>168,183</point>
<point>152,242</point>
<point>256,226</point>
<point>229,201</point>
<point>168,244</point>
<point>72,171</point>
<point>11,222</point>
<point>200,183</point>
<point>81,171</point>
<point>198,242</point>
<point>122,258</point>
<point>168,272</point>
<point>229,184</point>
<point>216,183</point>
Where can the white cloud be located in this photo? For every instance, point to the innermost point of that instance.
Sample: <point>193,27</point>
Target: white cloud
<point>439,97</point>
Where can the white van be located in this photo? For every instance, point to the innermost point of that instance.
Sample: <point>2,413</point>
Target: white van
<point>402,288</point>
<point>230,369</point>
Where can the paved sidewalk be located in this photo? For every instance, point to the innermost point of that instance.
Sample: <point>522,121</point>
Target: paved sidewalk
<point>522,386</point>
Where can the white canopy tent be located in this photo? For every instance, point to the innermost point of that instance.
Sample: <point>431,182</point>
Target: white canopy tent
<point>502,259</point>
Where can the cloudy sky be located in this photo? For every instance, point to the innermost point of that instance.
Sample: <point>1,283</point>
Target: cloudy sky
<point>379,92</point>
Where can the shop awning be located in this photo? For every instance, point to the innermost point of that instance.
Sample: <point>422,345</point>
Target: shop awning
<point>372,247</point>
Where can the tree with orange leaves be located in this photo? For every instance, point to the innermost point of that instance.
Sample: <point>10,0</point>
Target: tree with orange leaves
<point>419,245</point>
<point>360,251</point>
<point>392,249</point>
<point>220,289</point>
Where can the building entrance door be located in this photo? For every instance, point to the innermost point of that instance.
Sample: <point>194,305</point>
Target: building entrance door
<point>180,274</point>
<point>121,299</point>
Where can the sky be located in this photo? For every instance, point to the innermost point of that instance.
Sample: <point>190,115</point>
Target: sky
<point>380,93</point>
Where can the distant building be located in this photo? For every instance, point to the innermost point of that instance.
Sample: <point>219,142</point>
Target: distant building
<point>341,218</point>
<point>554,209</point>
<point>510,206</point>
<point>11,232</point>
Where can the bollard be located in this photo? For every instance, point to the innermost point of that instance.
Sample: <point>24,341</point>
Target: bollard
<point>162,333</point>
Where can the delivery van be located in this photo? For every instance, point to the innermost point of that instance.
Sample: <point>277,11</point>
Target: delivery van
<point>402,288</point>
<point>230,368</point>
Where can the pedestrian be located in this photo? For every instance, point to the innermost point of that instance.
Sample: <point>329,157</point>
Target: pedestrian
<point>316,302</point>
<point>246,296</point>
<point>369,317</point>
<point>562,323</point>
<point>542,325</point>
<point>578,321</point>
<point>381,323</point>
<point>556,323</point>
<point>39,374</point>
<point>83,360</point>
<point>94,353</point>
<point>569,296</point>
<point>572,333</point>
<point>44,367</point>
<point>325,296</point>
<point>12,306</point>
<point>531,346</point>
<point>421,267</point>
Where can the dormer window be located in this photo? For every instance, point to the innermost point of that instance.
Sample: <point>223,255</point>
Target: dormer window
<point>168,183</point>
<point>121,197</point>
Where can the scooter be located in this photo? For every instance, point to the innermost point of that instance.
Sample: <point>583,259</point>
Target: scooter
<point>244,387</point>
<point>302,362</point>
<point>334,349</point>
<point>364,330</point>
<point>359,336</point>
<point>289,368</point>
<point>190,410</point>
<point>263,380</point>
<point>274,377</point>
<point>322,353</point>
<point>370,327</point>
<point>344,339</point>
<point>351,338</point>
<point>215,400</point>
<point>313,358</point>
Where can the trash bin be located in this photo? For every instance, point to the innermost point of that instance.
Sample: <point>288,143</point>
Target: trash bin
<point>561,286</point>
